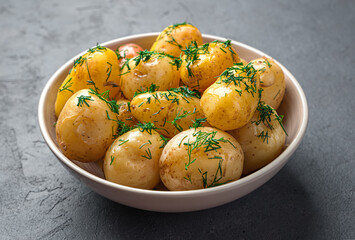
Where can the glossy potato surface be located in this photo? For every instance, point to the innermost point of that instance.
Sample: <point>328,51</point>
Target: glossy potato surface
<point>189,161</point>
<point>157,70</point>
<point>124,113</point>
<point>133,159</point>
<point>176,37</point>
<point>169,111</point>
<point>230,103</point>
<point>272,81</point>
<point>83,130</point>
<point>212,61</point>
<point>98,66</point>
<point>261,143</point>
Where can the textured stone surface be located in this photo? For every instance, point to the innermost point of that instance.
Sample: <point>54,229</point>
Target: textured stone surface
<point>311,198</point>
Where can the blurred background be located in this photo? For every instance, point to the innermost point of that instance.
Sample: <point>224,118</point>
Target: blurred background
<point>312,197</point>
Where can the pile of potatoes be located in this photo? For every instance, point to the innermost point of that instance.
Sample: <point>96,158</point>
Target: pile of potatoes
<point>185,113</point>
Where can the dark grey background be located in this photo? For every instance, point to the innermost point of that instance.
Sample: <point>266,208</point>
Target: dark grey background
<point>311,198</point>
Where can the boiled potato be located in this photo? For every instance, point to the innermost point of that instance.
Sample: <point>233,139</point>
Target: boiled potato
<point>200,158</point>
<point>146,69</point>
<point>171,112</point>
<point>83,129</point>
<point>124,113</point>
<point>231,101</point>
<point>201,65</point>
<point>272,81</point>
<point>97,69</point>
<point>262,139</point>
<point>176,37</point>
<point>133,159</point>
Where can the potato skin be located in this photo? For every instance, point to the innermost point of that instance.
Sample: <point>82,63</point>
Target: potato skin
<point>272,81</point>
<point>124,162</point>
<point>225,162</point>
<point>156,108</point>
<point>211,63</point>
<point>183,34</point>
<point>230,106</point>
<point>157,70</point>
<point>84,132</point>
<point>124,113</point>
<point>259,151</point>
<point>99,65</point>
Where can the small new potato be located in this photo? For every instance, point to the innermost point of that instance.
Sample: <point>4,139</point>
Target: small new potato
<point>99,67</point>
<point>124,113</point>
<point>176,37</point>
<point>261,141</point>
<point>231,101</point>
<point>272,81</point>
<point>170,112</point>
<point>83,130</point>
<point>200,158</point>
<point>151,69</point>
<point>133,159</point>
<point>201,65</point>
<point>127,51</point>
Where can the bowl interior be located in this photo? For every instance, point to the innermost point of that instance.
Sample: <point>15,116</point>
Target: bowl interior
<point>293,106</point>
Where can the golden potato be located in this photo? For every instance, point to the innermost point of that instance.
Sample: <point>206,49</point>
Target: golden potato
<point>171,112</point>
<point>97,69</point>
<point>272,81</point>
<point>262,139</point>
<point>124,113</point>
<point>201,65</point>
<point>231,101</point>
<point>176,37</point>
<point>200,158</point>
<point>83,129</point>
<point>146,69</point>
<point>133,159</point>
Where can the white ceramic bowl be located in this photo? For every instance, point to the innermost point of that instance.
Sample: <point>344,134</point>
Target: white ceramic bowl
<point>294,107</point>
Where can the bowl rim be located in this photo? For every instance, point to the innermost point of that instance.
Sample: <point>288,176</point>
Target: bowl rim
<point>280,160</point>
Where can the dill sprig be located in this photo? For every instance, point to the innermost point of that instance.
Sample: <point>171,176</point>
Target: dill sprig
<point>66,86</point>
<point>172,28</point>
<point>112,159</point>
<point>165,141</point>
<point>122,141</point>
<point>147,126</point>
<point>217,177</point>
<point>145,56</point>
<point>265,116</point>
<point>186,92</point>
<point>150,89</point>
<point>205,140</point>
<point>174,42</point>
<point>98,48</point>
<point>108,71</point>
<point>264,136</point>
<point>105,96</point>
<point>241,76</point>
<point>192,53</point>
<point>149,154</point>
<point>179,116</point>
<point>82,99</point>
<point>198,122</point>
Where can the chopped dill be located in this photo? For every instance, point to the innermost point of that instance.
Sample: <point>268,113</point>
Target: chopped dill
<point>66,86</point>
<point>83,100</point>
